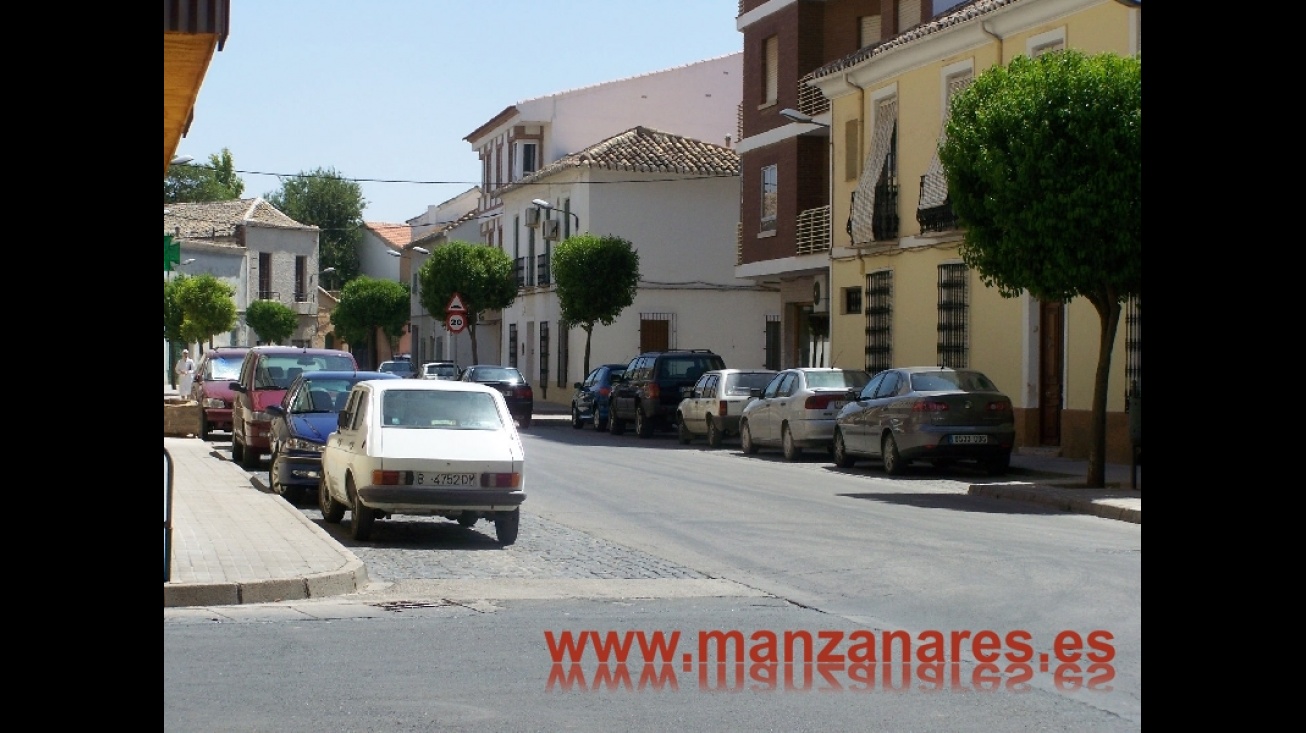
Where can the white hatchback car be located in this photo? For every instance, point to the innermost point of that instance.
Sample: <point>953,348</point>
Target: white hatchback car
<point>426,447</point>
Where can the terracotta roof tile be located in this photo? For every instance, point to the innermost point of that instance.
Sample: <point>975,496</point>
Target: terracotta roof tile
<point>215,219</point>
<point>394,235</point>
<point>645,150</point>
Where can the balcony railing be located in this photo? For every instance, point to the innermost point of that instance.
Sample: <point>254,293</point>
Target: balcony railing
<point>520,266</point>
<point>935,218</point>
<point>811,101</point>
<point>269,295</point>
<point>813,234</point>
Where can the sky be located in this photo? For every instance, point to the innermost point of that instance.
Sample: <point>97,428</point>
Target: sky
<point>386,90</point>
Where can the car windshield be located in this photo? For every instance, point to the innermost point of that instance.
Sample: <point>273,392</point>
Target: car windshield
<point>842,379</point>
<point>322,395</point>
<point>951,382</point>
<point>497,374</point>
<point>395,366</point>
<point>741,384</point>
<point>419,409</point>
<point>224,368</point>
<point>277,371</point>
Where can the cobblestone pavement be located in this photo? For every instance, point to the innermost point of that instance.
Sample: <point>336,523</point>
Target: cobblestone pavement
<point>429,548</point>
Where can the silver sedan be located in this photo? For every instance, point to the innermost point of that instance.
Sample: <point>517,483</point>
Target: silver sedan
<point>933,414</point>
<point>797,410</point>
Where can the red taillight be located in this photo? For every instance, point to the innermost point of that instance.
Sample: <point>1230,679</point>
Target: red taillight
<point>723,408</point>
<point>930,406</point>
<point>654,391</point>
<point>500,480</point>
<point>820,401</point>
<point>999,406</point>
<point>523,391</point>
<point>386,478</point>
<point>605,391</point>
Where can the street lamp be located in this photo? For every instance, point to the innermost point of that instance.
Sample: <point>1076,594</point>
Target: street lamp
<point>541,203</point>
<point>181,160</point>
<point>421,250</point>
<point>794,115</point>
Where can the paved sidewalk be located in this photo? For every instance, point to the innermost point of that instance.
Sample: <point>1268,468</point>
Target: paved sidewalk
<point>233,543</point>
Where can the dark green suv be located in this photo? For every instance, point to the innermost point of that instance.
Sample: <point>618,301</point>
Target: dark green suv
<point>649,392</point>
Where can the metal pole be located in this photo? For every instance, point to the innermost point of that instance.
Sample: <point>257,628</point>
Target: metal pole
<point>167,515</point>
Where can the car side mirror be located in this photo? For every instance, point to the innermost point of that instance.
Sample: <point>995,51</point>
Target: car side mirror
<point>275,410</point>
<point>342,420</point>
<point>236,386</point>
<point>755,392</point>
<point>576,385</point>
<point>854,395</point>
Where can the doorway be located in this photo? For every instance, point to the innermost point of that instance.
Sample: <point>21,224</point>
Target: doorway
<point>1051,361</point>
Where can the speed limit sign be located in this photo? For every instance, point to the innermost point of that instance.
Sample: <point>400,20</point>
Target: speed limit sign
<point>456,322</point>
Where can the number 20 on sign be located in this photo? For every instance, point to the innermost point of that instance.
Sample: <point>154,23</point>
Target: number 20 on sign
<point>456,322</point>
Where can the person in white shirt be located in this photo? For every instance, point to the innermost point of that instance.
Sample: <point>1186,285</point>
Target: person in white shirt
<point>185,373</point>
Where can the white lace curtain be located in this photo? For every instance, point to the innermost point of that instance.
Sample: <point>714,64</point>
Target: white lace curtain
<point>863,206</point>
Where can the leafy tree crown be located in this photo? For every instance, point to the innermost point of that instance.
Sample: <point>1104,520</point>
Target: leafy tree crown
<point>272,320</point>
<point>596,278</point>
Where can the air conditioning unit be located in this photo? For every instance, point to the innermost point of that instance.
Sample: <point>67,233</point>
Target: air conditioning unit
<point>551,228</point>
<point>532,217</point>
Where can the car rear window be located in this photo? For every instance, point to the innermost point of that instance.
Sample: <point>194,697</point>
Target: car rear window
<point>951,381</point>
<point>843,379</point>
<point>497,374</point>
<point>427,409</point>
<point>741,384</point>
<point>688,367</point>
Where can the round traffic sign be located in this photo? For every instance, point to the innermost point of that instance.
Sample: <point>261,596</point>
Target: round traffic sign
<point>456,322</point>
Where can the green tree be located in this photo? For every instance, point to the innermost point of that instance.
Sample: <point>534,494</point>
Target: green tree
<point>370,304</point>
<point>335,206</point>
<point>482,275</point>
<point>192,183</point>
<point>208,308</point>
<point>1045,172</point>
<point>272,320</point>
<point>596,279</point>
<point>173,316</point>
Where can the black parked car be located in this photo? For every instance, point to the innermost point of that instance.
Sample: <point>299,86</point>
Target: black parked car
<point>589,403</point>
<point>516,390</point>
<point>649,392</point>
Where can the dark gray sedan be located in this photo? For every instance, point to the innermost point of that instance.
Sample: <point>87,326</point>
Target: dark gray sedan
<point>929,414</point>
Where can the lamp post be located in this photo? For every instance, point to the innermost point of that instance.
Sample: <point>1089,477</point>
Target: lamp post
<point>542,204</point>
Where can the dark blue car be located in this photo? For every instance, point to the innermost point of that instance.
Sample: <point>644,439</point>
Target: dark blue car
<point>589,403</point>
<point>301,424</point>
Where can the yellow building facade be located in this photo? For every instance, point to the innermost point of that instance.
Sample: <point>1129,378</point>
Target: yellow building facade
<point>900,295</point>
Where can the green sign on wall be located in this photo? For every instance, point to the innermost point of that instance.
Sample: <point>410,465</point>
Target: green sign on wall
<point>171,253</point>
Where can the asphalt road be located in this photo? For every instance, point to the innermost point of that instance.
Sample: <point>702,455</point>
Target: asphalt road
<point>807,545</point>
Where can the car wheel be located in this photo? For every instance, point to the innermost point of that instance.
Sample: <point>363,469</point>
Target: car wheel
<point>237,450</point>
<point>206,430</point>
<point>791,451</point>
<point>600,424</point>
<point>362,519</point>
<point>616,425</point>
<point>643,426</point>
<point>998,465</point>
<point>576,422</point>
<point>841,457</point>
<point>505,526</point>
<point>746,438</point>
<point>249,457</point>
<point>682,432</point>
<point>714,436</point>
<point>467,519</point>
<point>893,462</point>
<point>524,422</point>
<point>332,510</point>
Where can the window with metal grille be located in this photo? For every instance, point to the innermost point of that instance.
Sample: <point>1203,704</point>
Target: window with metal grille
<point>879,321</point>
<point>954,310</point>
<point>265,276</point>
<point>771,359</point>
<point>512,344</point>
<point>564,352</point>
<point>655,331</point>
<point>544,353</point>
<point>852,300</point>
<point>530,257</point>
<point>542,274</point>
<point>884,218</point>
<point>1133,345</point>
<point>301,278</point>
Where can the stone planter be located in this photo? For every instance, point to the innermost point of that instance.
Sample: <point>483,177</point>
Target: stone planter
<point>181,418</point>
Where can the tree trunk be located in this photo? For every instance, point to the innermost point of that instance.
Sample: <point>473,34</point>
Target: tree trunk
<point>1108,311</point>
<point>471,331</point>
<point>589,332</point>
